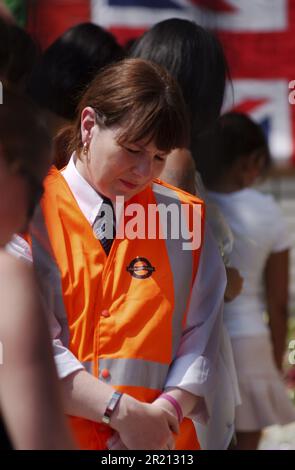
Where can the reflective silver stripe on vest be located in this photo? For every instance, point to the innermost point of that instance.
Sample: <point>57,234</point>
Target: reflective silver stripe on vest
<point>181,263</point>
<point>134,372</point>
<point>48,274</point>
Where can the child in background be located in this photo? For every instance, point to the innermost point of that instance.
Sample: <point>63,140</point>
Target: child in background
<point>232,159</point>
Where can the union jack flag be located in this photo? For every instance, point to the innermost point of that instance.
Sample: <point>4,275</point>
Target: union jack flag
<point>258,38</point>
<point>259,41</point>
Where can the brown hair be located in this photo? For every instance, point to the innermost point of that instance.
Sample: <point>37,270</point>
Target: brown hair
<point>24,139</point>
<point>139,96</point>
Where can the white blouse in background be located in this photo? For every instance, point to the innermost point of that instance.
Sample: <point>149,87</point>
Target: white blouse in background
<point>259,229</point>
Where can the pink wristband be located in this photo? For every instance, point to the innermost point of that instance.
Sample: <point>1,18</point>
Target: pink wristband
<point>176,405</point>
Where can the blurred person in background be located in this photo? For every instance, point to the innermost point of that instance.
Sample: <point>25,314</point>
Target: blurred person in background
<point>4,49</point>
<point>24,54</point>
<point>31,412</point>
<point>196,60</point>
<point>233,156</point>
<point>65,69</point>
<point>18,55</point>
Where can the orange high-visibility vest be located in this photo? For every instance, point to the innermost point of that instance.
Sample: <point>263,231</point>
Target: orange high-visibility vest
<point>122,315</point>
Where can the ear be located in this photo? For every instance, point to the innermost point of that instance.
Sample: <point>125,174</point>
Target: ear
<point>257,164</point>
<point>88,121</point>
<point>251,169</point>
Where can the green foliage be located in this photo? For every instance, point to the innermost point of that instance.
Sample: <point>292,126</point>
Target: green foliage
<point>19,10</point>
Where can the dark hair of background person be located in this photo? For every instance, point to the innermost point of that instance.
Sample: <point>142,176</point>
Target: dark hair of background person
<point>18,115</point>
<point>234,136</point>
<point>18,54</point>
<point>23,57</point>
<point>4,49</point>
<point>196,60</point>
<point>142,99</point>
<point>69,65</point>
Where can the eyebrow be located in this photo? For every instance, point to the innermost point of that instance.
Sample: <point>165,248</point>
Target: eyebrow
<point>161,153</point>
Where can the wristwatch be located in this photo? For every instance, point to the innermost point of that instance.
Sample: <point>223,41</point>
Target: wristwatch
<point>112,404</point>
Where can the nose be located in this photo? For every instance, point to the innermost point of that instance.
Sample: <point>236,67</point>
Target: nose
<point>143,166</point>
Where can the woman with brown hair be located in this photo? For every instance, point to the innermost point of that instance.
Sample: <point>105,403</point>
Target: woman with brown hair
<point>127,309</point>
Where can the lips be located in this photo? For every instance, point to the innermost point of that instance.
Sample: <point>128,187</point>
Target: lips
<point>128,184</point>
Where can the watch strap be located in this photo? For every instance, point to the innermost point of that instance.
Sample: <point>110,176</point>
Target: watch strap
<point>111,406</point>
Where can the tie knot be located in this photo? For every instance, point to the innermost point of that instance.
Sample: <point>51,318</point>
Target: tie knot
<point>107,201</point>
<point>104,226</point>
<point>106,210</point>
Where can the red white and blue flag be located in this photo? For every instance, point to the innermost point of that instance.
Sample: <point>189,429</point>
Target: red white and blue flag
<point>259,53</point>
<point>232,15</point>
<point>258,37</point>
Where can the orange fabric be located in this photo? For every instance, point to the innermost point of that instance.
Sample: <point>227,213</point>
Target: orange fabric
<point>139,324</point>
<point>27,237</point>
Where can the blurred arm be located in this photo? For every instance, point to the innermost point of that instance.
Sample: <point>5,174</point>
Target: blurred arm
<point>276,284</point>
<point>30,399</point>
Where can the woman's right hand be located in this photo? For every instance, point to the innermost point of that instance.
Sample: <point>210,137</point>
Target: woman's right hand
<point>144,426</point>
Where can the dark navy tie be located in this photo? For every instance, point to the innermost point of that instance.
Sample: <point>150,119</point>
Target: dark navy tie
<point>104,226</point>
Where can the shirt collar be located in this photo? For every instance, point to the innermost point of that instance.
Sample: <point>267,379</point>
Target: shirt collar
<point>87,198</point>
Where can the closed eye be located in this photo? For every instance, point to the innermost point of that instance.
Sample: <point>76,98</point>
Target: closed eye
<point>159,158</point>
<point>131,150</point>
